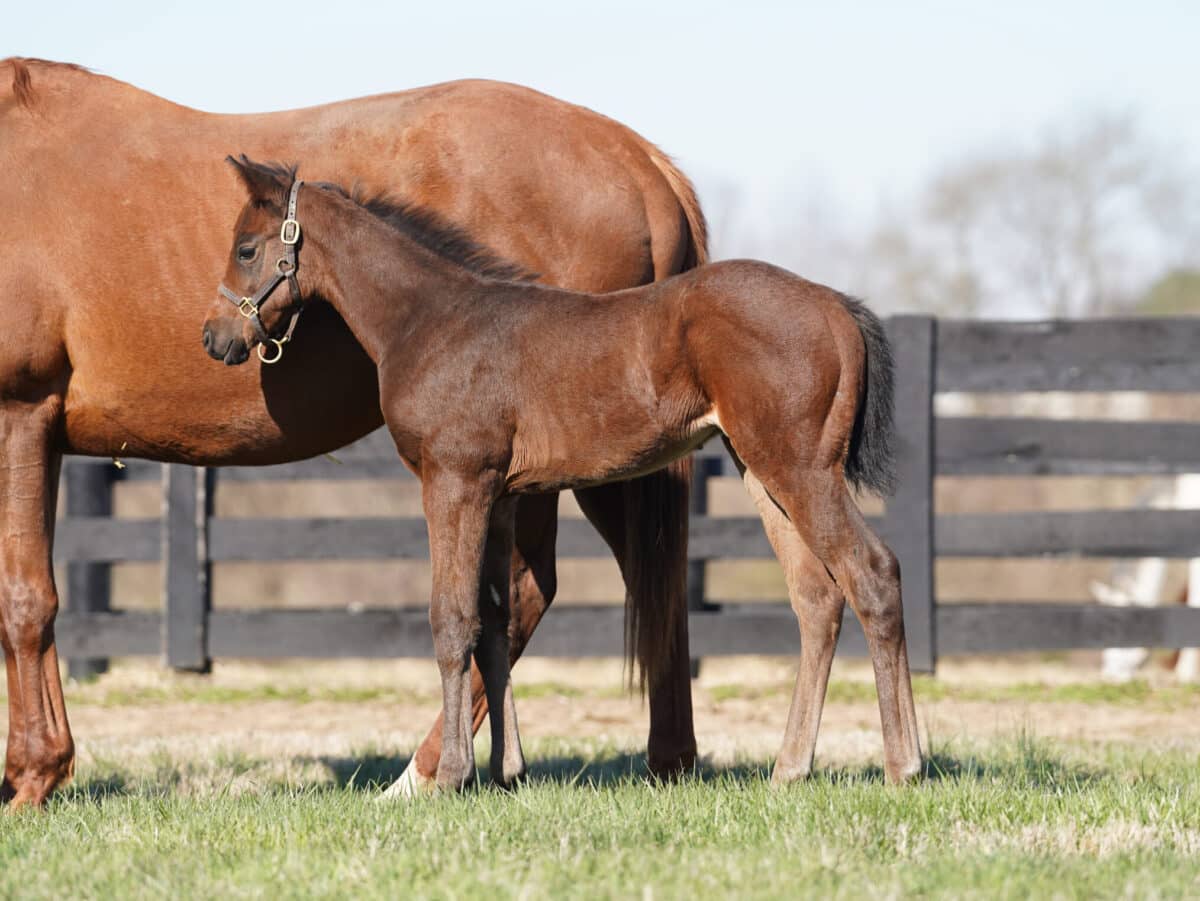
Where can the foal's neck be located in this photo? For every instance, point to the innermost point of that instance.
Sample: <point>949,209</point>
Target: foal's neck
<point>383,283</point>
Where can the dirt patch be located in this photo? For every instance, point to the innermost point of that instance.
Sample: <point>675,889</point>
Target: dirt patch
<point>315,710</point>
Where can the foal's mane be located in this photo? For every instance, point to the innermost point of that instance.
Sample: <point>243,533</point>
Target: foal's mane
<point>435,233</point>
<point>269,184</point>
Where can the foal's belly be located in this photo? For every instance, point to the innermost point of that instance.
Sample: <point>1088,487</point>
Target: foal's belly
<point>607,459</point>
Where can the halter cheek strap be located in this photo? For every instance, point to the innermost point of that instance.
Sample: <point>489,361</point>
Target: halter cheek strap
<point>285,270</point>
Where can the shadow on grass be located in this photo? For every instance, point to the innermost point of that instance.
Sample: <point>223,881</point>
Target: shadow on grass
<point>1029,767</point>
<point>1026,764</point>
<point>366,772</point>
<point>611,769</point>
<point>97,790</point>
<point>372,772</point>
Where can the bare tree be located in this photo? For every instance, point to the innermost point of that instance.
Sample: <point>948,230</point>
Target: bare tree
<point>1078,223</point>
<point>1075,226</point>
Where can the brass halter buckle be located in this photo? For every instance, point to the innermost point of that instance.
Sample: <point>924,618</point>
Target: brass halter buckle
<point>289,232</point>
<point>247,308</point>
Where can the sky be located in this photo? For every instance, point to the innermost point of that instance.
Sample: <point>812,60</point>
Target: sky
<point>853,104</point>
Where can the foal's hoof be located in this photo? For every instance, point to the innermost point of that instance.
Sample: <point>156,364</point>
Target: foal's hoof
<point>411,784</point>
<point>783,776</point>
<point>450,780</point>
<point>508,780</point>
<point>906,774</point>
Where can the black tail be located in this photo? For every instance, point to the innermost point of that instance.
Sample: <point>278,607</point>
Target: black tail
<point>871,461</point>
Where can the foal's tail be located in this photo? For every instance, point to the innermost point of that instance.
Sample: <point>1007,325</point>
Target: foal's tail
<point>871,460</point>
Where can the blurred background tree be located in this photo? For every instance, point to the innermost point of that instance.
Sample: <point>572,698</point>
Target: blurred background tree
<point>1092,218</point>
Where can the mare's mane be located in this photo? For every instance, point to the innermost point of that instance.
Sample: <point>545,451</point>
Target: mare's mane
<point>22,81</point>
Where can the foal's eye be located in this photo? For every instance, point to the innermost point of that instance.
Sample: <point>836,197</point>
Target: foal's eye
<point>247,252</point>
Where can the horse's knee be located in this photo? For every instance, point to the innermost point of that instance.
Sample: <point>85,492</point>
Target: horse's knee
<point>455,633</point>
<point>28,606</point>
<point>818,604</point>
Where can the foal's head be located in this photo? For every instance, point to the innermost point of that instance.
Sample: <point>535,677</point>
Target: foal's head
<point>260,294</point>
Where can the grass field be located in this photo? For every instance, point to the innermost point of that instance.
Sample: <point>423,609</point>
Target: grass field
<point>1011,820</point>
<point>254,810</point>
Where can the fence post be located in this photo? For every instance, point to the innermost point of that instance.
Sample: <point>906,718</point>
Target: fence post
<point>187,506</point>
<point>89,490</point>
<point>703,468</point>
<point>908,523</point>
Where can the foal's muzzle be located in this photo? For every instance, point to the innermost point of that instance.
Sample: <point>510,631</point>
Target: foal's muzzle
<point>229,349</point>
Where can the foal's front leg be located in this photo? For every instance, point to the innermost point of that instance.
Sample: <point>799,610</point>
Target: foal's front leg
<point>457,509</point>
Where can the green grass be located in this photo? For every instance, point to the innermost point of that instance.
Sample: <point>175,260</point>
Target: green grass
<point>190,690</point>
<point>1138,692</point>
<point>1142,693</point>
<point>1008,820</point>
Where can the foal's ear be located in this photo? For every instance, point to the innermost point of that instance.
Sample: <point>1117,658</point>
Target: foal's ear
<point>266,182</point>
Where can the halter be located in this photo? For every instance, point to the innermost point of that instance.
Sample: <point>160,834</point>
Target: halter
<point>285,269</point>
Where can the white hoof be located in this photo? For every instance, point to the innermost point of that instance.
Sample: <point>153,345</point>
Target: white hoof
<point>409,785</point>
<point>1122,664</point>
<point>1188,668</point>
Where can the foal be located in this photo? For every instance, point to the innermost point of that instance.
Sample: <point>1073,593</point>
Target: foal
<point>493,388</point>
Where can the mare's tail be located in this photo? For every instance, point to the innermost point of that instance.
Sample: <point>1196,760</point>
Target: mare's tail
<point>656,542</point>
<point>656,506</point>
<point>871,460</point>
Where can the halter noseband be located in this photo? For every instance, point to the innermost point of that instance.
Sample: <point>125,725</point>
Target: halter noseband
<point>285,269</point>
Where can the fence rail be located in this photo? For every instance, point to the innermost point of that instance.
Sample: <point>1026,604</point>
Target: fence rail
<point>1153,355</point>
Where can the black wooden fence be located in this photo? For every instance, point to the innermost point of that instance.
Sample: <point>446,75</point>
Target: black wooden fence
<point>1155,355</point>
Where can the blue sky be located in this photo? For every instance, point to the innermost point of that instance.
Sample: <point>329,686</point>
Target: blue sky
<point>852,102</point>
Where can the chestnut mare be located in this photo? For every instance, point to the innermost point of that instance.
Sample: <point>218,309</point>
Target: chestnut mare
<point>495,388</point>
<point>115,215</point>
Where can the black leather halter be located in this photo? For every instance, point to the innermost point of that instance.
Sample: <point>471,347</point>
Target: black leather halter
<point>285,270</point>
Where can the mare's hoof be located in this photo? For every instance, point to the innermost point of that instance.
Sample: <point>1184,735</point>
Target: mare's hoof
<point>670,769</point>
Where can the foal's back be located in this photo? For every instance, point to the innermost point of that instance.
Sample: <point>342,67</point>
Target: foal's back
<point>592,388</point>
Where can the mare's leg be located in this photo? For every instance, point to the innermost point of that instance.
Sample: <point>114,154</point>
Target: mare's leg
<point>818,603</point>
<point>458,509</point>
<point>671,747</point>
<point>41,754</point>
<point>532,586</point>
<point>492,651</point>
<point>819,505</point>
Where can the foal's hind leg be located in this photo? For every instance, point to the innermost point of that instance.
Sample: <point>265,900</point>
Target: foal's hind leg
<point>41,753</point>
<point>819,505</point>
<point>818,604</point>
<point>492,651</point>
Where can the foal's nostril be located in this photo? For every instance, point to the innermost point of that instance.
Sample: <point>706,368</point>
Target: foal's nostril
<point>208,338</point>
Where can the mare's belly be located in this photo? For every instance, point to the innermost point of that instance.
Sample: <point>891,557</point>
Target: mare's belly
<point>218,415</point>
